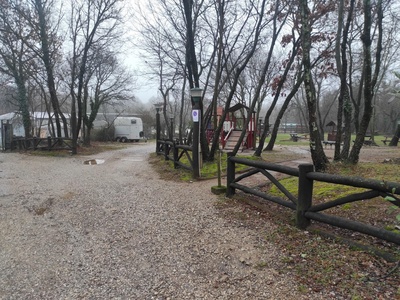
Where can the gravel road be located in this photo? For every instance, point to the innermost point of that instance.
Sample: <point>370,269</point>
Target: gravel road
<point>117,231</point>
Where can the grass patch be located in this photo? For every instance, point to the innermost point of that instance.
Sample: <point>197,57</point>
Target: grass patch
<point>285,139</point>
<point>208,170</point>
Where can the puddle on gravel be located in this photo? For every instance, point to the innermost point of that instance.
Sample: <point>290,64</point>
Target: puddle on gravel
<point>132,159</point>
<point>94,162</point>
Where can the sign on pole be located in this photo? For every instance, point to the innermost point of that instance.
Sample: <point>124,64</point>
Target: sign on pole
<point>195,115</point>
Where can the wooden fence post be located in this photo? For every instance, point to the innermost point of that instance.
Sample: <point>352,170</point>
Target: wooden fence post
<point>305,195</point>
<point>230,175</point>
<point>166,150</point>
<point>176,153</point>
<point>158,109</point>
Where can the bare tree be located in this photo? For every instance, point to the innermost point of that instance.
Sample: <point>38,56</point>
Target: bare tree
<point>109,83</point>
<point>370,76</point>
<point>218,38</point>
<point>16,56</point>
<point>317,152</point>
<point>344,102</point>
<point>278,84</point>
<point>94,24</point>
<point>234,54</point>
<point>278,15</point>
<point>40,17</point>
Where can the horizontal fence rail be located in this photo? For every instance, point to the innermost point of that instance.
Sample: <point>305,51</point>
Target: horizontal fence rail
<point>302,203</point>
<point>174,152</point>
<point>49,143</point>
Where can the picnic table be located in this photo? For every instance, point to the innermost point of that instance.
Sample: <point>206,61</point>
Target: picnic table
<point>330,143</point>
<point>386,140</point>
<point>368,140</point>
<point>295,137</point>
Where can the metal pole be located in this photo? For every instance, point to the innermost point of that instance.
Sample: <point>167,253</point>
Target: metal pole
<point>196,94</point>
<point>196,141</point>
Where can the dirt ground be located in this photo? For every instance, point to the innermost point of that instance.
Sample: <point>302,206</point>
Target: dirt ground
<point>375,154</point>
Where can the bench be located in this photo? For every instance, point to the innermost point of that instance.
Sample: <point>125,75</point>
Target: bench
<point>387,139</point>
<point>294,137</point>
<point>330,143</point>
<point>368,140</point>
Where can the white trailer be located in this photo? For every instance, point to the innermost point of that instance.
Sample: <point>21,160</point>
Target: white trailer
<point>128,129</point>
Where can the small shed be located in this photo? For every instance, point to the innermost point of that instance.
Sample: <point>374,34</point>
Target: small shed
<point>332,133</point>
<point>15,119</point>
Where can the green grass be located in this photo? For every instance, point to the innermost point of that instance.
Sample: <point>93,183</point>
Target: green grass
<point>285,140</point>
<point>209,169</point>
<point>321,190</point>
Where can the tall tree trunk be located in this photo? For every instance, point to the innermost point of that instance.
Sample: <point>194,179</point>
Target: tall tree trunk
<point>317,152</point>
<point>395,139</point>
<point>344,107</point>
<point>285,105</point>
<point>248,57</point>
<point>369,79</point>
<point>23,105</point>
<point>192,70</point>
<point>218,70</point>
<point>49,69</point>
<point>261,82</point>
<point>265,130</point>
<point>181,112</point>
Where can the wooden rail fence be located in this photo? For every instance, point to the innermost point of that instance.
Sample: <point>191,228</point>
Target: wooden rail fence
<point>302,203</point>
<point>49,143</point>
<point>174,151</point>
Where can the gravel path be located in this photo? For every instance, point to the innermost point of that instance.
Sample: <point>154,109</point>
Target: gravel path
<point>117,231</point>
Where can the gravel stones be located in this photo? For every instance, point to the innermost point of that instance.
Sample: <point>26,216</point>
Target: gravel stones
<point>117,231</point>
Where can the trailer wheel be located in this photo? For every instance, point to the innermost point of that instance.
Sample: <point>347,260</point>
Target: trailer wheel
<point>124,139</point>
<point>118,139</point>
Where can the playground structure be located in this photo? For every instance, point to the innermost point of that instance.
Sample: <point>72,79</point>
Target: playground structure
<point>234,122</point>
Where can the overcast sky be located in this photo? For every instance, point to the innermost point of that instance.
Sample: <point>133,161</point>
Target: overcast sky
<point>147,88</point>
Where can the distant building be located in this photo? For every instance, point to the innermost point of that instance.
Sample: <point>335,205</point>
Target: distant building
<point>41,123</point>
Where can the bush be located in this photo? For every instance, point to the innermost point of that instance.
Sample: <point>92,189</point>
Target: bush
<point>104,134</point>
